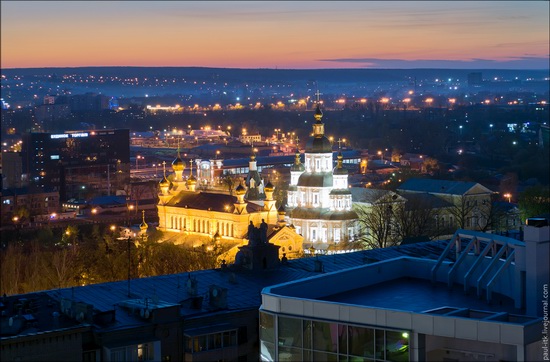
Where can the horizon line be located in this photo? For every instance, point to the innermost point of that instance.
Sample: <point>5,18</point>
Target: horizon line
<point>262,68</point>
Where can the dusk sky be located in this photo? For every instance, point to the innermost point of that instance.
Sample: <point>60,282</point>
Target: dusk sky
<point>282,34</point>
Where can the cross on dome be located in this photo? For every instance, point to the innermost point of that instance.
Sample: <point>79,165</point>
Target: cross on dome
<point>318,94</point>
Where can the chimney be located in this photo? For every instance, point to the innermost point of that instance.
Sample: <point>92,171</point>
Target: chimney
<point>537,252</point>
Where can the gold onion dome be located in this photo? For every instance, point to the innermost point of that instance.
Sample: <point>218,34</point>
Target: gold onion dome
<point>297,165</point>
<point>240,190</point>
<point>178,164</point>
<point>339,169</point>
<point>143,226</point>
<point>318,114</point>
<point>191,180</point>
<point>164,182</point>
<point>269,187</point>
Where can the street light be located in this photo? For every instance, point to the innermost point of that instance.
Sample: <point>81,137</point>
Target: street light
<point>137,158</point>
<point>508,196</point>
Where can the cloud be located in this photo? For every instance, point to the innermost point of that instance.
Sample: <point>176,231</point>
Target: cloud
<point>521,62</point>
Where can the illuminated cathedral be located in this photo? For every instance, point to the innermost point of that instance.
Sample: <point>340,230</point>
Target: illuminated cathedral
<point>319,202</point>
<point>185,210</point>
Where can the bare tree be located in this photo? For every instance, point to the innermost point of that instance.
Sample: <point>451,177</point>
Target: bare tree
<point>417,217</point>
<point>491,215</point>
<point>462,210</point>
<point>378,223</point>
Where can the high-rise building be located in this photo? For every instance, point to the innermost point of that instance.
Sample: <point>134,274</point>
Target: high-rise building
<point>319,202</point>
<point>77,163</point>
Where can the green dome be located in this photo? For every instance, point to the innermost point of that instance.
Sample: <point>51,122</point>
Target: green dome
<point>316,180</point>
<point>318,145</point>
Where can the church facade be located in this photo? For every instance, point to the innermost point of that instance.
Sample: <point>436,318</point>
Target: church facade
<point>183,210</point>
<point>319,202</point>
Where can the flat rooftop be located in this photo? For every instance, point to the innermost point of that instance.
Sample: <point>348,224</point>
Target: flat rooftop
<point>417,295</point>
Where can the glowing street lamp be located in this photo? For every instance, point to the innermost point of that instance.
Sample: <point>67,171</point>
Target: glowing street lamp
<point>508,196</point>
<point>138,157</point>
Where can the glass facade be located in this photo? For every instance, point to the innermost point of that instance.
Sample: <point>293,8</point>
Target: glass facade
<point>317,340</point>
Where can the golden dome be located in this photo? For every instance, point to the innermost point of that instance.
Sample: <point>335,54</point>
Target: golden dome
<point>143,226</point>
<point>178,164</point>
<point>318,114</point>
<point>191,180</point>
<point>269,187</point>
<point>164,182</point>
<point>240,190</point>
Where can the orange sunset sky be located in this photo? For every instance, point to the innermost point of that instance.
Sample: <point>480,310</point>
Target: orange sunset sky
<point>283,34</point>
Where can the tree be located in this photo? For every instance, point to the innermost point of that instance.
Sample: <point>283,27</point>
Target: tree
<point>534,201</point>
<point>492,216</point>
<point>430,165</point>
<point>417,217</point>
<point>462,209</point>
<point>22,214</point>
<point>229,182</point>
<point>378,225</point>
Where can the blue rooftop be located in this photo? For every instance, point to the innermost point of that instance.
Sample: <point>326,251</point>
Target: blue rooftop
<point>417,295</point>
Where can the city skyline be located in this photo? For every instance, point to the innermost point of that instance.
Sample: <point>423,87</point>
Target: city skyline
<point>285,35</point>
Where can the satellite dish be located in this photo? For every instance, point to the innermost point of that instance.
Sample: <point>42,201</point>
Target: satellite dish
<point>10,322</point>
<point>146,313</point>
<point>215,292</point>
<point>80,317</point>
